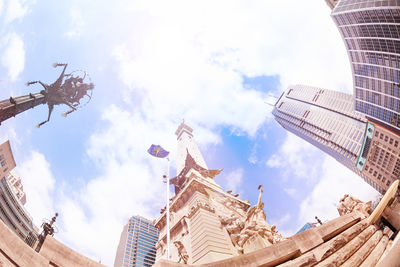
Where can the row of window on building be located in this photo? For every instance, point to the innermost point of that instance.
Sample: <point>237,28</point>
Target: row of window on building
<point>367,16</point>
<point>383,59</point>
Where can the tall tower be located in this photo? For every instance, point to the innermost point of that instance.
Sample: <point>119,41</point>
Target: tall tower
<point>327,120</point>
<point>187,145</point>
<point>324,118</point>
<point>206,223</point>
<point>137,244</point>
<point>371,33</point>
<point>12,199</point>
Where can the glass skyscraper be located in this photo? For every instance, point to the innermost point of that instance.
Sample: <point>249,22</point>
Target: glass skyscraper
<point>371,33</point>
<point>137,243</point>
<point>324,118</point>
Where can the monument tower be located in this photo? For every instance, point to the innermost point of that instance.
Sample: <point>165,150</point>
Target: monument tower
<point>207,223</point>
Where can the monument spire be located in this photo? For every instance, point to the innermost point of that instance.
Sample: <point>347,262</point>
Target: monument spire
<point>185,145</point>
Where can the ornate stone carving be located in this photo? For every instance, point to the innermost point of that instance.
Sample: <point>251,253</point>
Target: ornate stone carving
<point>182,253</point>
<point>234,225</point>
<point>349,204</point>
<point>160,246</point>
<point>185,225</point>
<point>197,206</point>
<point>241,229</point>
<point>180,181</point>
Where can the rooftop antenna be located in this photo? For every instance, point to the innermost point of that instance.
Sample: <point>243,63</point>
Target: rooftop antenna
<point>270,95</point>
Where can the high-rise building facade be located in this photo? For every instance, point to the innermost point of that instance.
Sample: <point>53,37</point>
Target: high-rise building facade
<point>137,245</point>
<point>7,162</point>
<point>324,118</point>
<point>14,180</point>
<point>379,159</point>
<point>12,199</point>
<point>371,33</point>
<point>331,3</point>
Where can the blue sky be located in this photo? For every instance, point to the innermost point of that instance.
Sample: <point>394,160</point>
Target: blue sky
<point>215,64</point>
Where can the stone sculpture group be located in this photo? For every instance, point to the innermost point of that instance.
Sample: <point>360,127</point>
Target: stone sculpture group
<point>252,225</point>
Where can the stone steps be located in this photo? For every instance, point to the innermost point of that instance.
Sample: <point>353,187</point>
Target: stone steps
<point>376,253</point>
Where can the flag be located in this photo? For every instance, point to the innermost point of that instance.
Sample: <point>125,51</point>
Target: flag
<point>157,151</point>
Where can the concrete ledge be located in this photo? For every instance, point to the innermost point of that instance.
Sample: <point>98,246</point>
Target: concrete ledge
<point>61,255</point>
<point>15,252</point>
<point>269,256</point>
<point>307,240</point>
<point>338,225</point>
<point>165,263</point>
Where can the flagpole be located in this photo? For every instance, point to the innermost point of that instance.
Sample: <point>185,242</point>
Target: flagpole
<point>168,237</point>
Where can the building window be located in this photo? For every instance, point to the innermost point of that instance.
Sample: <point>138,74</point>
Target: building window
<point>388,183</point>
<point>379,176</point>
<point>396,143</point>
<point>376,133</point>
<point>375,173</point>
<point>383,179</point>
<point>381,136</point>
<point>386,138</point>
<point>391,141</point>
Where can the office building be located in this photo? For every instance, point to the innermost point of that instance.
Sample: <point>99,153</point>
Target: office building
<point>306,227</point>
<point>12,199</point>
<point>379,160</point>
<point>14,180</point>
<point>324,118</point>
<point>137,245</point>
<point>7,161</point>
<point>371,33</point>
<point>331,3</point>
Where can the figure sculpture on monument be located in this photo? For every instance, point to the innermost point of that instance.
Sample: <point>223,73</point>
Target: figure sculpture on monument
<point>234,225</point>
<point>182,253</point>
<point>255,224</point>
<point>349,204</point>
<point>241,229</point>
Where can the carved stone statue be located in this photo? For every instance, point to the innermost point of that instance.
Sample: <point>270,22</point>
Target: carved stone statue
<point>160,245</point>
<point>242,229</point>
<point>349,204</point>
<point>234,225</point>
<point>182,253</point>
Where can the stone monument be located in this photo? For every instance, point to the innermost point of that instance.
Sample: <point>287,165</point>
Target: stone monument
<point>348,204</point>
<point>208,224</point>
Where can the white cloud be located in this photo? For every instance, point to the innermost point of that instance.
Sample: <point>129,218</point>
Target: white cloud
<point>76,23</point>
<point>16,9</point>
<point>246,40</point>
<point>335,181</point>
<point>39,186</point>
<point>1,6</point>
<point>233,180</point>
<point>290,191</point>
<point>13,54</point>
<point>130,184</point>
<point>329,179</point>
<point>293,159</point>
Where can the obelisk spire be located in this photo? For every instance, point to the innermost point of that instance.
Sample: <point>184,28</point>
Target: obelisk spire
<point>186,144</point>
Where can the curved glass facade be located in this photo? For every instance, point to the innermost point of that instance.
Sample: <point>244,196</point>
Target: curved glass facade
<point>371,33</point>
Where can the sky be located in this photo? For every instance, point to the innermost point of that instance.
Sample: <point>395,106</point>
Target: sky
<point>215,64</point>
